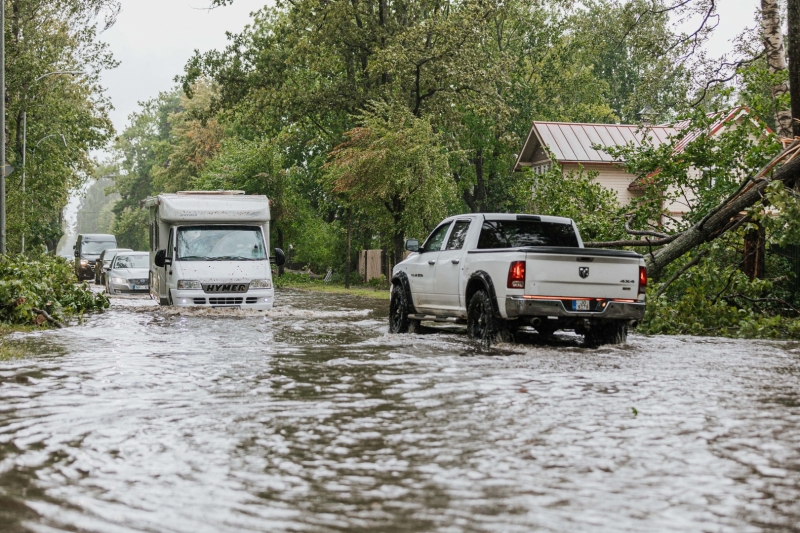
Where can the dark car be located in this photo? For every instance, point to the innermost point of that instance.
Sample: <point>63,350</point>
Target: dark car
<point>88,250</point>
<point>103,263</point>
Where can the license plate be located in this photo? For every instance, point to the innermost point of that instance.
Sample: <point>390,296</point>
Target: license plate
<point>226,307</point>
<point>141,287</point>
<point>580,305</point>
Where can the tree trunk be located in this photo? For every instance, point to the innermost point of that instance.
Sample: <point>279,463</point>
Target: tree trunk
<point>348,261</point>
<point>754,253</point>
<point>794,61</point>
<point>398,250</point>
<point>776,62</point>
<point>720,221</point>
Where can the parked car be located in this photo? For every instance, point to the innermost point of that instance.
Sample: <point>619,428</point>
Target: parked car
<point>87,249</point>
<point>104,262</point>
<point>129,273</point>
<point>500,272</point>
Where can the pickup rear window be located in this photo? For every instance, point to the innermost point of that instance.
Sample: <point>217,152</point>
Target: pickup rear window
<point>521,233</point>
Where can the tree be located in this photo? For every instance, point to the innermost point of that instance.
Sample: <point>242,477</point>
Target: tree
<point>43,36</point>
<point>396,167</point>
<point>776,62</point>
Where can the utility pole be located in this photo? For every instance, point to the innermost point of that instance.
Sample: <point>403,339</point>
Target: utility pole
<point>3,127</point>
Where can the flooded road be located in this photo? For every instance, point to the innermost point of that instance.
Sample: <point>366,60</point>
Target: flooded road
<point>313,418</point>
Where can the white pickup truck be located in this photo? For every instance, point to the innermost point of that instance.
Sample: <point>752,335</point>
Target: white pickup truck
<point>500,272</point>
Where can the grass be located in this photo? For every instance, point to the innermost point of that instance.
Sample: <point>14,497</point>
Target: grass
<point>338,288</point>
<point>13,351</point>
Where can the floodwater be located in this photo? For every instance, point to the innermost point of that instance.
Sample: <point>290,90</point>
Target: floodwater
<point>313,418</point>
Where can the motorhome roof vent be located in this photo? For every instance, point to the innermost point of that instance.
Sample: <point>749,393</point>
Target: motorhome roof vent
<point>227,193</point>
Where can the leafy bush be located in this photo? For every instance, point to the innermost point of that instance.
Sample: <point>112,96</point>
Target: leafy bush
<point>46,283</point>
<point>717,298</point>
<point>290,278</point>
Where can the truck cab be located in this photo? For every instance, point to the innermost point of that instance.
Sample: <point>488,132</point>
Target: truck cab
<point>211,249</point>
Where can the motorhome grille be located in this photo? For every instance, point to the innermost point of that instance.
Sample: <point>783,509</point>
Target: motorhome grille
<point>225,301</point>
<point>200,301</point>
<point>138,281</point>
<point>251,300</point>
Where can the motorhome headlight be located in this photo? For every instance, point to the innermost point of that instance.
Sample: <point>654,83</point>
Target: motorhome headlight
<point>261,284</point>
<point>119,281</point>
<point>189,284</point>
<point>84,262</point>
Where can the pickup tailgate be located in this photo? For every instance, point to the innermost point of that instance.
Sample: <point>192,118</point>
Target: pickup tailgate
<point>582,273</point>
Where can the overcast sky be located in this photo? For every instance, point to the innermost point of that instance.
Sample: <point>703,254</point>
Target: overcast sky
<point>153,39</point>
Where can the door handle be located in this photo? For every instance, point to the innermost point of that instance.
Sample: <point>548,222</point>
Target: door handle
<point>455,261</point>
<point>431,262</point>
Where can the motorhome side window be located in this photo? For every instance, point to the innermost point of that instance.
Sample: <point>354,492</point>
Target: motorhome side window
<point>170,246</point>
<point>220,243</point>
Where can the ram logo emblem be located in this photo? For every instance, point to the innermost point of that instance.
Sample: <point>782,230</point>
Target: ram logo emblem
<point>583,272</point>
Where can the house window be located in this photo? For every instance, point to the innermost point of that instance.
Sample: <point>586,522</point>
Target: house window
<point>541,169</point>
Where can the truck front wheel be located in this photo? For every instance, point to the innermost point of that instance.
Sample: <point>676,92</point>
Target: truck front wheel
<point>399,322</point>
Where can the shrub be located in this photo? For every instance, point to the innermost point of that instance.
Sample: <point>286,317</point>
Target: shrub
<point>46,283</point>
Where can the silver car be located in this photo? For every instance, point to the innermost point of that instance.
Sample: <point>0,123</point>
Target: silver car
<point>129,273</point>
<point>104,262</point>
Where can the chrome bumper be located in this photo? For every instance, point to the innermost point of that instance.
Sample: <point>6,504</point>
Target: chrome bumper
<point>516,306</point>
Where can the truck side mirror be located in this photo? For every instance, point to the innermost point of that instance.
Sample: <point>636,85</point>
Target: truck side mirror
<point>412,245</point>
<point>279,258</point>
<point>161,258</point>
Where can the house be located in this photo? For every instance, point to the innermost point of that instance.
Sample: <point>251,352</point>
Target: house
<point>571,146</point>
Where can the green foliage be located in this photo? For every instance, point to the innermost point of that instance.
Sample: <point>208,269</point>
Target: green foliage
<point>46,283</point>
<point>716,298</point>
<point>578,196</point>
<point>43,36</point>
<point>131,228</point>
<point>95,213</point>
<point>395,168</point>
<point>698,167</point>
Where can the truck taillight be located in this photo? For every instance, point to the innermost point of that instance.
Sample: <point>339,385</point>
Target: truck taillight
<point>642,280</point>
<point>516,275</point>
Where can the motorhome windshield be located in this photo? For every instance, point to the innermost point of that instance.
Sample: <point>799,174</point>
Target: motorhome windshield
<point>220,243</point>
<point>96,247</point>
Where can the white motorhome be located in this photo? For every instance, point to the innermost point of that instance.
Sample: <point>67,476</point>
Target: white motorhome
<point>211,249</point>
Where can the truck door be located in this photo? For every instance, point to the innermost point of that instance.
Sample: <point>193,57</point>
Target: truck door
<point>448,268</point>
<point>423,265</point>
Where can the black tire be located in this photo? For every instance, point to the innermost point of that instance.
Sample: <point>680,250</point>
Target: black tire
<point>610,333</point>
<point>481,322</point>
<point>398,312</point>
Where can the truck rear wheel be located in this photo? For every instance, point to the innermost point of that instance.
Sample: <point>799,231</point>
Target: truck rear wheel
<point>399,322</point>
<point>612,333</point>
<point>481,323</point>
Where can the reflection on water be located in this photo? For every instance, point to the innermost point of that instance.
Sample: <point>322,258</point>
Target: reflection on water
<point>312,418</point>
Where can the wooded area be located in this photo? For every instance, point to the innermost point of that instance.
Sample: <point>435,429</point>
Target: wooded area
<point>367,122</point>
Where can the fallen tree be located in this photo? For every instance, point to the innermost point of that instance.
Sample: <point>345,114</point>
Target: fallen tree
<point>730,214</point>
